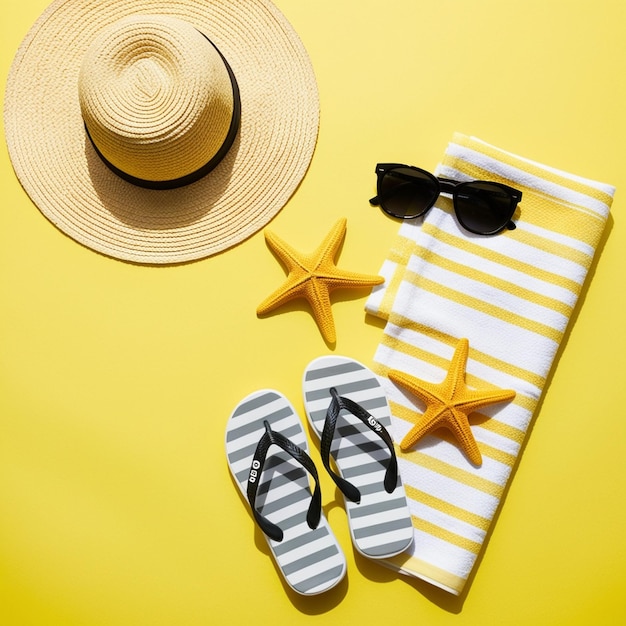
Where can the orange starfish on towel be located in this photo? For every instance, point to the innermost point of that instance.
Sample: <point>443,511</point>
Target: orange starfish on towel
<point>449,403</point>
<point>313,276</point>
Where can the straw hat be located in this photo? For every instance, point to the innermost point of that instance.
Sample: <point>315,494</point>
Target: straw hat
<point>161,132</point>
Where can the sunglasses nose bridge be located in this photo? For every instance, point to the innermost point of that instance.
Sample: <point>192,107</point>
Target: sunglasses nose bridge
<point>446,185</point>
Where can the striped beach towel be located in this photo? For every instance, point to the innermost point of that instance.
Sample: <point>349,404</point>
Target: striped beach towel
<point>511,296</point>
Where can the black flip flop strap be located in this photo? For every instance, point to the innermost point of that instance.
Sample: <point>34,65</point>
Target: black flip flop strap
<point>269,438</point>
<point>337,404</point>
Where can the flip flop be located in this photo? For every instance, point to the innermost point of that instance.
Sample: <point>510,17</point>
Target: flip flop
<point>347,408</point>
<point>266,447</point>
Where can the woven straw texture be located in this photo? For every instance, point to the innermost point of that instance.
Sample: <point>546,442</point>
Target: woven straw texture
<point>61,172</point>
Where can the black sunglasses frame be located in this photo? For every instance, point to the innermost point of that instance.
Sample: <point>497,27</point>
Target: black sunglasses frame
<point>448,186</point>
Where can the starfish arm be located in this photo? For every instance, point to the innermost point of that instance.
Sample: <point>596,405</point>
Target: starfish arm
<point>292,288</point>
<point>460,428</point>
<point>289,256</point>
<point>454,421</point>
<point>294,285</point>
<point>319,299</point>
<point>337,279</point>
<point>327,250</point>
<point>426,423</point>
<point>427,392</point>
<point>455,376</point>
<point>475,400</point>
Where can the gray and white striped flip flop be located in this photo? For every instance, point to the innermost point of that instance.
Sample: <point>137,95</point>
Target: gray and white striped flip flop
<point>347,408</point>
<point>266,447</point>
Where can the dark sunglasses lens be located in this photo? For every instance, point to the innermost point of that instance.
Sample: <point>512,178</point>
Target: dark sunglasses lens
<point>482,207</point>
<point>406,192</point>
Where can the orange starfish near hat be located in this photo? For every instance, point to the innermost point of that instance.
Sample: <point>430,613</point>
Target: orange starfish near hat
<point>313,276</point>
<point>449,403</point>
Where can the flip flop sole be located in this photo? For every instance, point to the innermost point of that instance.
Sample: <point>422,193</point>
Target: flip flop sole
<point>310,560</point>
<point>380,524</point>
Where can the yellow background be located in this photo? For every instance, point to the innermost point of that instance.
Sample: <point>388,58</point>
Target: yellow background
<point>116,381</point>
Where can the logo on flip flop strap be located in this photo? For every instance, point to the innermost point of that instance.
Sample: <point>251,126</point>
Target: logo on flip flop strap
<point>374,424</point>
<point>254,471</point>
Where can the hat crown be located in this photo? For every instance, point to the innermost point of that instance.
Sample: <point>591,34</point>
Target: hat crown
<point>156,97</point>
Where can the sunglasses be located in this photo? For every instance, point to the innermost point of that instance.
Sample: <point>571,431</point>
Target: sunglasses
<point>482,207</point>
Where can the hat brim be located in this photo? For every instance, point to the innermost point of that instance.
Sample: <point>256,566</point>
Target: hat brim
<point>59,169</point>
